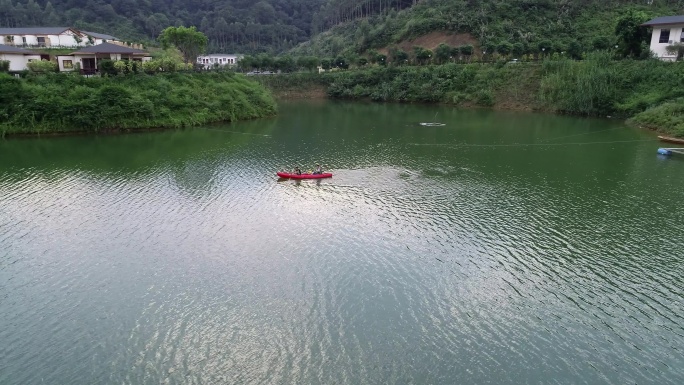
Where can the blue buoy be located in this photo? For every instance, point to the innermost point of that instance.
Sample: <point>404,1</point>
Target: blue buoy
<point>664,151</point>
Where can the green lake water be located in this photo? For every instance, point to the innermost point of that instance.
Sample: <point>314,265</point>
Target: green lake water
<point>500,248</point>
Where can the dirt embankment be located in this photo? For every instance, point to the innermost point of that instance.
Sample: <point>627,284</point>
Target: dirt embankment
<point>433,39</point>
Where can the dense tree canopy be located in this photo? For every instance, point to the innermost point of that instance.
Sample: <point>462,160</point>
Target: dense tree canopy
<point>188,40</point>
<point>242,26</point>
<point>631,35</point>
<point>275,26</point>
<point>513,27</point>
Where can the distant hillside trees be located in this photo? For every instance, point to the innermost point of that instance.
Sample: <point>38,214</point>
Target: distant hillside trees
<point>243,26</point>
<point>339,11</point>
<point>276,26</point>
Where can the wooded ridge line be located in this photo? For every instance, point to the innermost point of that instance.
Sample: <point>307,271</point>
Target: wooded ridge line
<point>276,26</point>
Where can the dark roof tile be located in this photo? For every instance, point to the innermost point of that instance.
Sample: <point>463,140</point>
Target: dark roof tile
<point>664,20</point>
<point>110,48</point>
<point>33,31</point>
<point>17,50</point>
<point>100,35</point>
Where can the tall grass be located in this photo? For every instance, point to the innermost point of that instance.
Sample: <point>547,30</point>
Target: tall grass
<point>588,88</point>
<point>600,86</point>
<point>63,103</point>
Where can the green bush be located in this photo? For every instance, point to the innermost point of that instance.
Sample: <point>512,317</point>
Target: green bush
<point>62,102</point>
<point>107,67</point>
<point>485,98</point>
<point>449,83</point>
<point>4,65</point>
<point>42,66</point>
<point>667,118</point>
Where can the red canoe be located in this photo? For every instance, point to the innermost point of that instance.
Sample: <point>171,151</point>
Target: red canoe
<point>304,176</point>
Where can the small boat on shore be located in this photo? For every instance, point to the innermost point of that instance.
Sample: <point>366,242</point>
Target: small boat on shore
<point>304,176</point>
<point>670,139</point>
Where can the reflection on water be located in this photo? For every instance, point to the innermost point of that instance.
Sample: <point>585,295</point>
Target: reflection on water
<point>431,256</point>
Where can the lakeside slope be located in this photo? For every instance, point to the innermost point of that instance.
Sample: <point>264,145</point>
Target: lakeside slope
<point>63,103</point>
<point>647,93</point>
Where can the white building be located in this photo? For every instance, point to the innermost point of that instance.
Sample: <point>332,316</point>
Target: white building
<point>209,61</point>
<point>89,58</point>
<point>667,30</point>
<point>43,37</point>
<point>18,57</point>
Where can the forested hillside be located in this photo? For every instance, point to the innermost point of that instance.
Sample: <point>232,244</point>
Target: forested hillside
<point>343,26</point>
<point>245,26</point>
<point>355,26</point>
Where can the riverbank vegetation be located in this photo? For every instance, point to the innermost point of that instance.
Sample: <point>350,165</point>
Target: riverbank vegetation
<point>647,91</point>
<point>667,118</point>
<point>52,103</point>
<point>599,86</point>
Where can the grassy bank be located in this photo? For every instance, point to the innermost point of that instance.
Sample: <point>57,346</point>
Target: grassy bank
<point>54,103</point>
<point>649,92</point>
<point>667,118</point>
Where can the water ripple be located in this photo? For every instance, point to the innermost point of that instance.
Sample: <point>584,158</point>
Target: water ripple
<point>413,264</point>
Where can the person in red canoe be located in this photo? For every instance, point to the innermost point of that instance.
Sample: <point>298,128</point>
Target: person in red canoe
<point>318,170</point>
<point>297,171</point>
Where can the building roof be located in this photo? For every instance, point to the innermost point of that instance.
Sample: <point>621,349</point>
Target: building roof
<point>15,50</point>
<point>110,48</point>
<point>663,20</point>
<point>33,31</point>
<point>100,35</point>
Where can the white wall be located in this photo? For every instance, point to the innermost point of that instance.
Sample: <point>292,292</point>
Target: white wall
<point>98,41</point>
<point>118,56</point>
<point>18,61</point>
<point>61,59</point>
<point>210,60</point>
<point>659,48</point>
<point>66,39</point>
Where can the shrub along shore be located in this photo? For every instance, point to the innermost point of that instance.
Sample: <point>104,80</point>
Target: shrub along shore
<point>649,93</point>
<point>62,103</point>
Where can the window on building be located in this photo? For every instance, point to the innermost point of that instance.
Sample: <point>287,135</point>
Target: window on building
<point>681,38</point>
<point>664,36</point>
<point>67,64</point>
<point>41,41</point>
<point>23,39</point>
